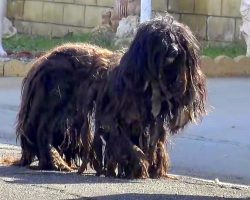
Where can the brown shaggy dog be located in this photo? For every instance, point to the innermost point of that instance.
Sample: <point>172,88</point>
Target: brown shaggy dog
<point>112,111</point>
<point>50,114</point>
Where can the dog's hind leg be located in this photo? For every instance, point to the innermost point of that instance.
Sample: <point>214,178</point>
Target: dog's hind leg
<point>28,152</point>
<point>44,140</point>
<point>86,144</point>
<point>49,158</point>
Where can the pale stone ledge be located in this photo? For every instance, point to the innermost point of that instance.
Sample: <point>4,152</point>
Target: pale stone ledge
<point>15,68</point>
<point>221,66</point>
<point>1,68</point>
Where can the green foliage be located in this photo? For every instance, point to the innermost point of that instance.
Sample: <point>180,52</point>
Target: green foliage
<point>232,50</point>
<point>39,44</point>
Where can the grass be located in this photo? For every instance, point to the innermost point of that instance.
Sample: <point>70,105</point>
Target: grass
<point>232,50</point>
<point>39,44</point>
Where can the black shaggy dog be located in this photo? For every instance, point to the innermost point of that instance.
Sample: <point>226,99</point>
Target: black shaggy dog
<point>114,111</point>
<point>157,88</point>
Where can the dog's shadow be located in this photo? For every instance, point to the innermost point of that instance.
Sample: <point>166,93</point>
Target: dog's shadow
<point>23,175</point>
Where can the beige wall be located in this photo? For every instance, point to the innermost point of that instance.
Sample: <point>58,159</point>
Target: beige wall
<point>211,20</point>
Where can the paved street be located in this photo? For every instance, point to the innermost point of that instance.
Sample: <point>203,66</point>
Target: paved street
<point>220,145</point>
<point>217,148</point>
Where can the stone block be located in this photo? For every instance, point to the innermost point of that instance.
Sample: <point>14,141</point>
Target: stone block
<point>223,66</point>
<point>16,68</point>
<point>79,30</point>
<point>231,8</point>
<point>23,27</point>
<point>220,67</point>
<point>15,9</point>
<point>208,66</point>
<point>160,5</point>
<point>73,15</point>
<point>107,3</point>
<point>1,68</point>
<point>227,66</point>
<point>41,29</point>
<point>196,23</point>
<point>238,36</point>
<point>243,63</point>
<point>33,11</point>
<point>181,6</point>
<point>93,16</point>
<point>63,1</point>
<point>220,29</point>
<point>86,2</point>
<point>208,7</point>
<point>59,30</point>
<point>53,13</point>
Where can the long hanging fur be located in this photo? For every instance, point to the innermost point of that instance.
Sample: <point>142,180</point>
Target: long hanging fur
<point>51,114</point>
<point>157,88</point>
<point>114,111</point>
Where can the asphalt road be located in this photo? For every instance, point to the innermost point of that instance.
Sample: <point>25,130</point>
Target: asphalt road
<point>217,148</point>
<point>22,183</point>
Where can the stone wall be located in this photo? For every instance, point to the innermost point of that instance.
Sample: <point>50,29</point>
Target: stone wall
<point>211,20</point>
<point>56,17</point>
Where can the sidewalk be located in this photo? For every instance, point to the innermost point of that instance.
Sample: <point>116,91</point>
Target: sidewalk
<point>21,183</point>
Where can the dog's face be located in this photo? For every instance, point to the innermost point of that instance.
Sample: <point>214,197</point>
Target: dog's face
<point>168,55</point>
<point>160,52</point>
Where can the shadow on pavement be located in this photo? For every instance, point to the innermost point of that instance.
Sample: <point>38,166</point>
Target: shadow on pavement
<point>22,175</point>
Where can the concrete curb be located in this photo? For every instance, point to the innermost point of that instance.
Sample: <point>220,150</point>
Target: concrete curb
<point>221,66</point>
<point>15,68</point>
<point>224,66</point>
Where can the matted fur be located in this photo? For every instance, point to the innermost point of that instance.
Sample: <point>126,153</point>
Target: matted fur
<point>157,89</point>
<point>50,114</point>
<point>114,112</point>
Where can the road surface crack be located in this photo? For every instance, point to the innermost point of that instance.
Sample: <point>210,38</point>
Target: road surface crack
<point>62,191</point>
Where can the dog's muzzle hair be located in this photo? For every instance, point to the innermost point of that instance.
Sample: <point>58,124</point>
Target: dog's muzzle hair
<point>113,110</point>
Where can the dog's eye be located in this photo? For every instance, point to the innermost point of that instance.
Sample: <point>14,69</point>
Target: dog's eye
<point>173,50</point>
